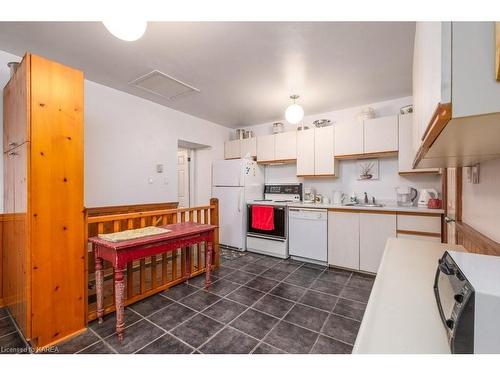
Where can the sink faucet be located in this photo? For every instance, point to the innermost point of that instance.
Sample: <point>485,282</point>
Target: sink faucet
<point>366,198</point>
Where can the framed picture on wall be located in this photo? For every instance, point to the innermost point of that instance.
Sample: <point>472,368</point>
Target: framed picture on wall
<point>368,169</point>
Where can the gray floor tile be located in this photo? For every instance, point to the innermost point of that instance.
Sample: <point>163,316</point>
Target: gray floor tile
<point>135,337</point>
<point>254,268</point>
<point>4,312</point>
<point>179,291</point>
<point>327,287</point>
<point>291,338</point>
<point>224,311</point>
<point>6,326</point>
<point>341,328</point>
<point>360,280</point>
<point>223,271</point>
<point>150,305</point>
<point>300,280</point>
<point>245,295</point>
<point>288,291</point>
<point>309,270</point>
<point>98,348</point>
<point>240,277</point>
<point>286,267</point>
<point>166,344</point>
<point>229,341</point>
<point>254,323</point>
<point>307,317</point>
<point>335,275</point>
<point>171,316</point>
<point>268,262</point>
<point>326,345</point>
<point>275,274</point>
<point>108,326</point>
<point>240,262</point>
<point>357,294</point>
<point>13,344</point>
<point>200,300</point>
<point>262,284</point>
<point>273,305</point>
<point>351,309</point>
<point>267,349</point>
<point>223,287</point>
<point>77,343</point>
<point>319,300</point>
<point>197,330</point>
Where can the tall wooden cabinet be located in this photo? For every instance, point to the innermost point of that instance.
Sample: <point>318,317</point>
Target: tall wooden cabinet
<point>43,237</point>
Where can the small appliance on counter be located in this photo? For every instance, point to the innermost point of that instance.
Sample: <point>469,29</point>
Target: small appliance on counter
<point>425,195</point>
<point>406,196</point>
<point>309,195</point>
<point>467,291</point>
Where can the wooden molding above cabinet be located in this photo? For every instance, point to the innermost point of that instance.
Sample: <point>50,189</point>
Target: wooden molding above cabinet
<point>439,120</point>
<point>385,154</point>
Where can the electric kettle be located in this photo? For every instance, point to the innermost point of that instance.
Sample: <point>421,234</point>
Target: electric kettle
<point>425,195</point>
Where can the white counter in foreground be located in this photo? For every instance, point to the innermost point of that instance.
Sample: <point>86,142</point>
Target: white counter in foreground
<point>402,315</point>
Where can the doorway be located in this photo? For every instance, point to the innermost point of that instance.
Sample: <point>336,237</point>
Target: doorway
<point>184,177</point>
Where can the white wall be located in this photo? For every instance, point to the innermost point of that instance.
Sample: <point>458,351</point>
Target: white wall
<point>382,189</point>
<point>126,136</point>
<point>481,202</point>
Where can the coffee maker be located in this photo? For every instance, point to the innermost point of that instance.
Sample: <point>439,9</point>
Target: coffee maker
<point>406,196</point>
<point>308,195</point>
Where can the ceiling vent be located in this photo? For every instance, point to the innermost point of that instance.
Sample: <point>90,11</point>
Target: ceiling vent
<point>163,85</point>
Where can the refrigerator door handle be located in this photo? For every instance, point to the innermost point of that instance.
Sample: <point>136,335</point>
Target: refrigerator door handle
<point>239,202</point>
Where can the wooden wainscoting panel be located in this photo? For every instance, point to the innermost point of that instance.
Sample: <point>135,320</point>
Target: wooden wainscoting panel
<point>57,217</point>
<point>474,241</point>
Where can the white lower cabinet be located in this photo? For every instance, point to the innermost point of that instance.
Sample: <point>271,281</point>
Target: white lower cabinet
<point>357,240</point>
<point>374,230</point>
<point>343,239</point>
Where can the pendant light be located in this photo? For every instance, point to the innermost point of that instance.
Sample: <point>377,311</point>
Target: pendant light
<point>294,113</point>
<point>128,30</point>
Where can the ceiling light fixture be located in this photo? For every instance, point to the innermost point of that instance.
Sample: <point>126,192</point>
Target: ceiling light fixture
<point>126,29</point>
<point>294,113</point>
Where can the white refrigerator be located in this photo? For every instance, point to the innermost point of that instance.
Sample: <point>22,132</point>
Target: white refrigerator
<point>234,182</point>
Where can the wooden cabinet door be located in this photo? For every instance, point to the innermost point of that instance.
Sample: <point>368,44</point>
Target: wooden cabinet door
<point>265,148</point>
<point>248,146</point>
<point>381,134</point>
<point>8,182</point>
<point>349,137</point>
<point>374,230</point>
<point>286,146</point>
<point>324,162</point>
<point>16,96</point>
<point>343,239</point>
<point>305,152</point>
<point>232,149</point>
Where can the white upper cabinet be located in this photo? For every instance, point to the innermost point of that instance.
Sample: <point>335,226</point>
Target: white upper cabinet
<point>324,141</point>
<point>349,137</point>
<point>381,134</point>
<point>266,148</point>
<point>248,146</point>
<point>286,145</point>
<point>306,152</point>
<point>456,94</point>
<point>406,147</point>
<point>232,149</point>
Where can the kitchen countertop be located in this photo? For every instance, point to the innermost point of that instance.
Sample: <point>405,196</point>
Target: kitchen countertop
<point>387,207</point>
<point>402,314</point>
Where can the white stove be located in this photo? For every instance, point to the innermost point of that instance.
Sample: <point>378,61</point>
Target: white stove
<point>273,242</point>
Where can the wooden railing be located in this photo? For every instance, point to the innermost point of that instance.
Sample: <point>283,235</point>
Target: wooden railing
<point>153,274</point>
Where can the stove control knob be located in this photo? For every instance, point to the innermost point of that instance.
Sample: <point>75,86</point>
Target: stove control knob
<point>459,297</point>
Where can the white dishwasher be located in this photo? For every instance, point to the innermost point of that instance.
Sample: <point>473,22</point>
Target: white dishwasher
<point>308,234</point>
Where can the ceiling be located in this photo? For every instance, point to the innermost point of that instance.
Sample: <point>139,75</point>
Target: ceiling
<point>245,71</point>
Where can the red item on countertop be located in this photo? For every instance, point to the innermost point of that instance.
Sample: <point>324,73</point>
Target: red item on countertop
<point>263,217</point>
<point>435,203</point>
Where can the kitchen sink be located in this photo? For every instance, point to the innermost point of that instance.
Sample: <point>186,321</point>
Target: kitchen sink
<point>363,205</point>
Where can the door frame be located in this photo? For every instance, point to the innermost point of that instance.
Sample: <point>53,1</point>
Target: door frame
<point>458,203</point>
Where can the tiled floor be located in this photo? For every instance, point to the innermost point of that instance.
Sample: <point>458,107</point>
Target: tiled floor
<point>256,304</point>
